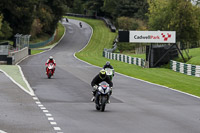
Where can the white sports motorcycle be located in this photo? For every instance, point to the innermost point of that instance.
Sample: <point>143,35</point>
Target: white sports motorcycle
<point>102,95</point>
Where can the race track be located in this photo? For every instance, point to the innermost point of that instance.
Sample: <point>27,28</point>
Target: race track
<point>136,106</point>
<point>18,111</point>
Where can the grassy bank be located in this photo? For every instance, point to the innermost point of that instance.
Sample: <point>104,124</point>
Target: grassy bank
<point>102,38</point>
<point>59,33</point>
<point>14,73</point>
<point>36,51</point>
<point>195,56</point>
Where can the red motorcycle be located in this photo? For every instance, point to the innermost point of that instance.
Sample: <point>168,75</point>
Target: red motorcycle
<point>50,70</point>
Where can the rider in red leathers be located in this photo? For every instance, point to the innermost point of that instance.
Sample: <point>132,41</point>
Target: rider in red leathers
<point>50,60</point>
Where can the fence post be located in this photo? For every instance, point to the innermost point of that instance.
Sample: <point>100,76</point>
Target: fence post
<point>177,67</point>
<point>185,68</point>
<point>193,70</point>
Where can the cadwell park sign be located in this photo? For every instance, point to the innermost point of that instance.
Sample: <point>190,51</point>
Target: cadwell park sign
<point>147,36</point>
<point>156,55</point>
<point>152,36</point>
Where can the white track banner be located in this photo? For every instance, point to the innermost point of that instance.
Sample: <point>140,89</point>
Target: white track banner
<point>152,36</point>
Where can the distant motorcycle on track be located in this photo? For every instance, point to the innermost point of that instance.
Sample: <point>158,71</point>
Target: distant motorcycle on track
<point>80,24</point>
<point>50,70</point>
<point>109,72</point>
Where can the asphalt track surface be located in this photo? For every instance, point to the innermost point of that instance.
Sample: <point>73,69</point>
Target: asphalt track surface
<point>18,111</point>
<point>136,106</point>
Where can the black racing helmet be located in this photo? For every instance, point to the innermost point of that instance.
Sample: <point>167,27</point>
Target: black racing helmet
<point>108,63</point>
<point>102,74</point>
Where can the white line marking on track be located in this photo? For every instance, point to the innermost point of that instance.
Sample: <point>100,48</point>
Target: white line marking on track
<point>38,102</point>
<point>40,105</point>
<point>2,131</point>
<point>57,128</point>
<point>53,123</point>
<point>20,86</point>
<point>48,114</point>
<point>50,118</point>
<point>27,84</point>
<point>43,108</point>
<point>45,111</point>
<point>35,98</point>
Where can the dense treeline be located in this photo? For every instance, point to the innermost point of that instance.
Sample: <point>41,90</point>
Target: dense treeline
<point>175,15</point>
<point>131,11</point>
<point>33,17</point>
<point>112,8</point>
<point>38,17</point>
<point>182,16</point>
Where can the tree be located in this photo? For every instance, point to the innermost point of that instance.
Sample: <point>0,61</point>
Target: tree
<point>78,6</point>
<point>158,14</point>
<point>58,9</point>
<point>175,15</point>
<point>184,20</point>
<point>5,30</point>
<point>95,6</point>
<point>1,18</point>
<point>24,16</point>
<point>18,14</point>
<point>127,8</point>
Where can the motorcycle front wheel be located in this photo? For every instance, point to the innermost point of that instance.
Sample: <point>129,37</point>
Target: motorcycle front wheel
<point>97,107</point>
<point>103,103</point>
<point>49,74</point>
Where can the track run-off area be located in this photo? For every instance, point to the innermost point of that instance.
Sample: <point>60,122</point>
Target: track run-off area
<point>62,104</point>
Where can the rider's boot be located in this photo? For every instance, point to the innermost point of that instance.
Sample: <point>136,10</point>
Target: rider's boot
<point>93,97</point>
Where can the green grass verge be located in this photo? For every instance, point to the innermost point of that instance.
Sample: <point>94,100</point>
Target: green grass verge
<point>41,38</point>
<point>44,37</point>
<point>195,54</point>
<point>13,71</point>
<point>59,33</point>
<point>35,51</point>
<point>102,38</point>
<point>143,56</point>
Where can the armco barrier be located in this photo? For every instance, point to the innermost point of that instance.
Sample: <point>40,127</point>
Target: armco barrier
<point>18,55</point>
<point>187,69</point>
<point>124,58</point>
<point>41,44</point>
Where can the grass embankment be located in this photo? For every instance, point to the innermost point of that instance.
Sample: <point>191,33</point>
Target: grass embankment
<point>195,56</point>
<point>143,56</point>
<point>102,38</point>
<point>13,71</point>
<point>59,33</point>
